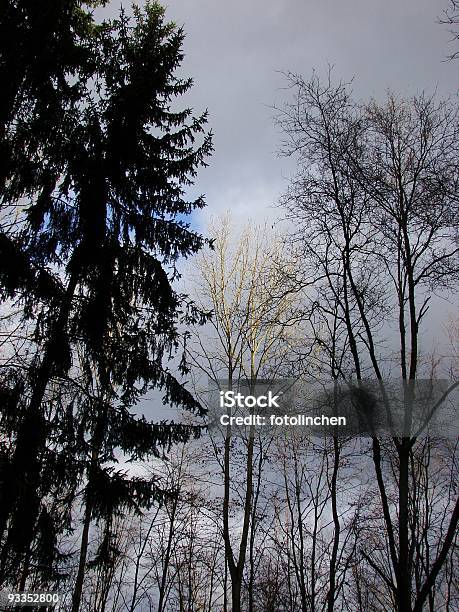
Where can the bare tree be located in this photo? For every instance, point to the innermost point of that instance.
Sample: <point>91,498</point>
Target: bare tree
<point>375,210</point>
<point>250,337</point>
<point>450,17</point>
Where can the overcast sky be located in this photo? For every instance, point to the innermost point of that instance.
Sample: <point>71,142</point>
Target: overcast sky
<point>236,50</point>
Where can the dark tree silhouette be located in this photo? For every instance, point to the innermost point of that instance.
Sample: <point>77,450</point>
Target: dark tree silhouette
<point>98,163</point>
<point>374,206</point>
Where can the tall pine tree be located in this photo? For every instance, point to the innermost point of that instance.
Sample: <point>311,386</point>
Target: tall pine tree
<point>101,159</point>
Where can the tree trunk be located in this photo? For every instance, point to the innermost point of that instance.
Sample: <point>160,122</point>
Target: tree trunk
<point>78,590</point>
<point>403,570</point>
<point>236,587</point>
<point>336,535</point>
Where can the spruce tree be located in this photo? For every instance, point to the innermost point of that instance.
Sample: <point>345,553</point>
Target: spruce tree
<point>103,172</point>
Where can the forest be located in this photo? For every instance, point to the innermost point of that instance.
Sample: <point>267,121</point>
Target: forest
<point>119,313</point>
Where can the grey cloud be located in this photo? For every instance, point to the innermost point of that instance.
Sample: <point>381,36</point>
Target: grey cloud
<point>236,50</point>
